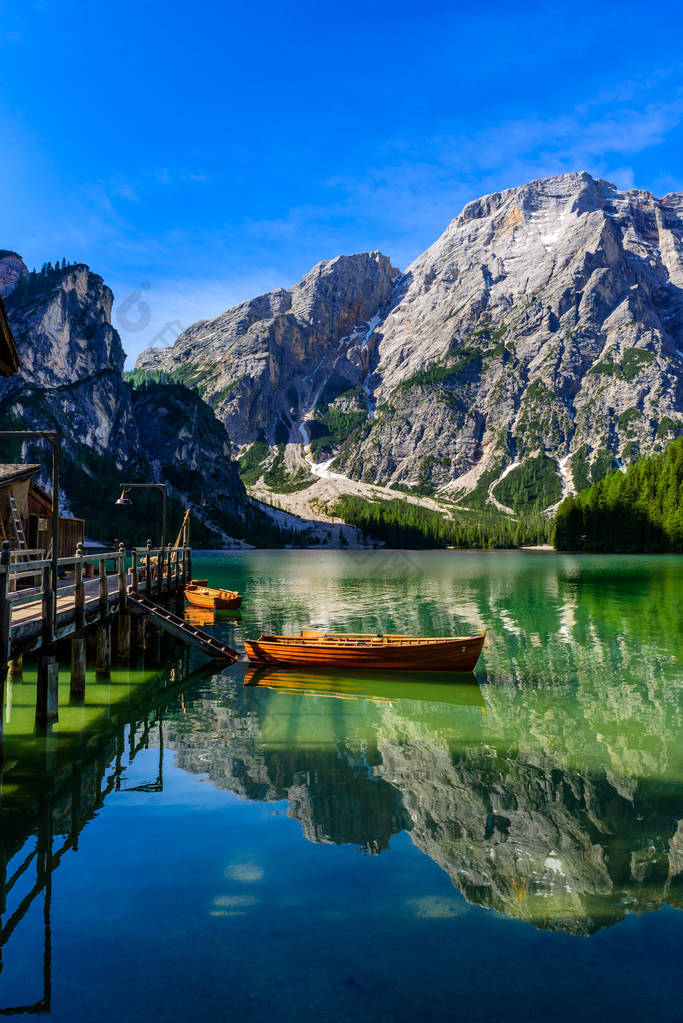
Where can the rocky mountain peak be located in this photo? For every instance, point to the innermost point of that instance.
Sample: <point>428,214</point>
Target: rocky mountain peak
<point>262,363</point>
<point>539,336</point>
<point>62,323</point>
<point>71,377</point>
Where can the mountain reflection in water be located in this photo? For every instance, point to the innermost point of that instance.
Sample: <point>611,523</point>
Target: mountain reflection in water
<point>488,782</point>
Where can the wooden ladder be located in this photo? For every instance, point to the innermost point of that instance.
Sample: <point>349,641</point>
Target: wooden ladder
<point>17,526</point>
<point>181,629</point>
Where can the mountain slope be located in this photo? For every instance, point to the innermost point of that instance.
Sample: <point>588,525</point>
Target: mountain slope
<point>535,346</point>
<point>262,364</point>
<point>71,378</point>
<point>545,319</point>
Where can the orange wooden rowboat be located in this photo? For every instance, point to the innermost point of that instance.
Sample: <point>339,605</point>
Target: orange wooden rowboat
<point>200,595</point>
<point>363,650</point>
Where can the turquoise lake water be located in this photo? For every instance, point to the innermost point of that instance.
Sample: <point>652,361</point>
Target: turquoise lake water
<point>506,845</point>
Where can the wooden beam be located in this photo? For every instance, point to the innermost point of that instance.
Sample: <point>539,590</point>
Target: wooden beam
<point>123,635</point>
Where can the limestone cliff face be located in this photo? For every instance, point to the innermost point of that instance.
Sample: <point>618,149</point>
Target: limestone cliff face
<point>547,319</point>
<point>12,268</point>
<point>71,361</point>
<point>71,378</point>
<point>186,446</point>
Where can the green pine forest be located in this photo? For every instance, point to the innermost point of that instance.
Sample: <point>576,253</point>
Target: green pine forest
<point>401,524</point>
<point>636,510</point>
<point>639,510</point>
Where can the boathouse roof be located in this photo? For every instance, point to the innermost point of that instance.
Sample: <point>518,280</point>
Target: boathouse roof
<point>13,473</point>
<point>9,358</point>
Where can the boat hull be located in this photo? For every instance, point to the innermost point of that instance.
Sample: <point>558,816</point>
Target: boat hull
<point>457,654</point>
<point>212,601</point>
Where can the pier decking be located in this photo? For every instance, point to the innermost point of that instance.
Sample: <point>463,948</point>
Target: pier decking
<point>90,593</point>
<point>90,588</point>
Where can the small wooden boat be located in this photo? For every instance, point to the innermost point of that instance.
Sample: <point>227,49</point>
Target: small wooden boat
<point>363,650</point>
<point>200,595</point>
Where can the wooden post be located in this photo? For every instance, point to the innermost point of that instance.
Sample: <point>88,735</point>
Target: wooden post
<point>148,569</point>
<point>160,572</point>
<point>123,580</point>
<point>188,575</point>
<point>5,607</point>
<point>103,662</point>
<point>134,571</point>
<point>78,666</point>
<point>47,692</point>
<point>48,605</point>
<point>16,667</point>
<point>5,632</point>
<point>123,635</point>
<point>79,594</point>
<point>139,624</point>
<point>154,645</point>
<point>104,595</point>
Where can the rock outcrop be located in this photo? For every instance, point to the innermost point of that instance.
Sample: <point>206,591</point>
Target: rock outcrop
<point>71,378</point>
<point>540,336</point>
<point>262,364</point>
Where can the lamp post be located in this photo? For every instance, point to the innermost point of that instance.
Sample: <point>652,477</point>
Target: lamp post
<point>54,440</point>
<point>125,500</point>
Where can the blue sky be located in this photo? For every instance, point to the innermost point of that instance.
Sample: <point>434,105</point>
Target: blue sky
<point>196,154</point>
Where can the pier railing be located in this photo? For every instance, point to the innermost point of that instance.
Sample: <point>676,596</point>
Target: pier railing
<point>89,587</point>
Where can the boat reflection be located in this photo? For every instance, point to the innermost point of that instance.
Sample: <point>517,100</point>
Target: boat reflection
<point>203,616</point>
<point>458,688</point>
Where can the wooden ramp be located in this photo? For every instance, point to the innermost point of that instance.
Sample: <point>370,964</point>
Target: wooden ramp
<point>181,629</point>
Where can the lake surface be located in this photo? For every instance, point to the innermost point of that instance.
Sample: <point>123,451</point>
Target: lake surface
<point>508,846</point>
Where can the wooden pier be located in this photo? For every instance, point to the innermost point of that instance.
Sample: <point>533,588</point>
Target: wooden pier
<point>93,593</point>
